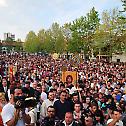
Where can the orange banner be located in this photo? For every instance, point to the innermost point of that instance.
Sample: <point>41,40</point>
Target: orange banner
<point>70,76</point>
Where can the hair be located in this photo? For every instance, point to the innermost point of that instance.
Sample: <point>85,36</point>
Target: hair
<point>68,77</point>
<point>38,85</point>
<point>68,112</point>
<point>77,103</point>
<point>12,91</point>
<point>99,113</point>
<point>27,82</point>
<point>117,110</point>
<point>63,92</point>
<point>50,107</point>
<point>62,85</point>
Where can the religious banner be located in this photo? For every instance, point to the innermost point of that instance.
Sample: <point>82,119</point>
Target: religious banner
<point>10,70</point>
<point>70,77</point>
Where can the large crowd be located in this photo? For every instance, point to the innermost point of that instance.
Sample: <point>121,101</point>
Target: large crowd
<point>97,98</point>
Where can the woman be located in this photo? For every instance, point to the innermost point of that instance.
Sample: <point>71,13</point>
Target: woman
<point>99,118</point>
<point>2,103</point>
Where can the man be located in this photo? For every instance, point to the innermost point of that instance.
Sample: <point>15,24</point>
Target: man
<point>27,90</point>
<point>69,121</point>
<point>47,103</point>
<point>14,116</point>
<point>115,120</point>
<point>4,86</point>
<point>50,119</point>
<point>62,106</point>
<point>88,121</point>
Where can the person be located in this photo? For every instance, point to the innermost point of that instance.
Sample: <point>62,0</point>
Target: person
<point>78,113</point>
<point>2,104</point>
<point>99,118</point>
<point>50,119</point>
<point>47,103</point>
<point>69,120</point>
<point>115,120</point>
<point>88,121</point>
<point>13,116</point>
<point>27,90</point>
<point>62,105</point>
<point>4,87</point>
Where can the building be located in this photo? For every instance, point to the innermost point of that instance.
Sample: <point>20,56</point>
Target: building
<point>119,57</point>
<point>9,44</point>
<point>9,36</point>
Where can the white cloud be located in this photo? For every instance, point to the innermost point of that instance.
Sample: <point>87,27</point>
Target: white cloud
<point>3,3</point>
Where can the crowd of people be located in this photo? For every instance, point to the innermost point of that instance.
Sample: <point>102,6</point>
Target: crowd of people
<point>32,92</point>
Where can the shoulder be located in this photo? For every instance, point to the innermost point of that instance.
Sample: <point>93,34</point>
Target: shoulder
<point>75,124</point>
<point>57,102</point>
<point>109,120</point>
<point>8,106</point>
<point>120,123</point>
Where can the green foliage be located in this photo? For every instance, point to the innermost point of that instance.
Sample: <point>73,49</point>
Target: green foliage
<point>31,43</point>
<point>108,35</point>
<point>124,5</point>
<point>82,30</point>
<point>87,34</point>
<point>57,38</point>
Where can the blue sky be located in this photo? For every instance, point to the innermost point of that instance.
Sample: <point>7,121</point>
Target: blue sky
<point>21,16</point>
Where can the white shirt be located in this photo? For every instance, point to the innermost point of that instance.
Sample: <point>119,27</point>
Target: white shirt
<point>5,89</point>
<point>66,124</point>
<point>43,96</point>
<point>119,123</point>
<point>45,105</point>
<point>8,113</point>
<point>33,114</point>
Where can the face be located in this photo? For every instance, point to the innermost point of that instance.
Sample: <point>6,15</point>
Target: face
<point>69,79</point>
<point>77,107</point>
<point>87,100</point>
<point>63,96</point>
<point>18,92</point>
<point>34,85</point>
<point>88,121</point>
<point>4,83</point>
<point>75,98</point>
<point>97,118</point>
<point>39,89</point>
<point>27,85</point>
<point>43,88</point>
<point>51,112</point>
<point>18,84</point>
<point>94,108</point>
<point>116,114</point>
<point>68,118</point>
<point>51,96</point>
<point>2,98</point>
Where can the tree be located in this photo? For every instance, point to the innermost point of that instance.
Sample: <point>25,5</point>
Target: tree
<point>48,44</point>
<point>108,35</point>
<point>124,5</point>
<point>31,43</point>
<point>57,38</point>
<point>82,30</point>
<point>67,35</point>
<point>42,38</point>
